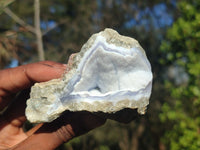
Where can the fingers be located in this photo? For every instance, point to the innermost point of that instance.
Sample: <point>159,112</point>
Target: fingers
<point>19,78</point>
<point>12,120</point>
<point>44,71</point>
<point>61,130</point>
<point>15,114</point>
<point>72,124</point>
<point>34,129</point>
<point>50,135</point>
<point>16,79</point>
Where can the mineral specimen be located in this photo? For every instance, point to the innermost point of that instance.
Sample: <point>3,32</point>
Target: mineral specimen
<point>109,74</point>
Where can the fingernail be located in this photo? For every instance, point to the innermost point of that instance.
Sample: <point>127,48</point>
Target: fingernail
<point>65,65</point>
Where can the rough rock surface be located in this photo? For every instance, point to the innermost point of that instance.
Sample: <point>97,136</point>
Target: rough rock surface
<point>111,73</point>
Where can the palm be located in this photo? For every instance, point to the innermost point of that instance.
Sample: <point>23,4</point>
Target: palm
<point>10,134</point>
<point>12,120</point>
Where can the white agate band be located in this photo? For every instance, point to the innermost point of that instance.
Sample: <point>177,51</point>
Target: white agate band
<point>110,73</point>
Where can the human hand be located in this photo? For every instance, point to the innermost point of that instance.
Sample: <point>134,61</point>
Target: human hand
<point>45,136</point>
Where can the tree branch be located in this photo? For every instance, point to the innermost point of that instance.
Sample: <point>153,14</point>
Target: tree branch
<point>53,27</point>
<point>19,20</point>
<point>48,30</point>
<point>38,30</point>
<point>4,4</point>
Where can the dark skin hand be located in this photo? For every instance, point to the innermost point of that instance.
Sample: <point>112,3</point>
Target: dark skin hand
<point>46,136</point>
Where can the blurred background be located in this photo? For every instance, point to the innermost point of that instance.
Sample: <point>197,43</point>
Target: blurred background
<point>169,31</point>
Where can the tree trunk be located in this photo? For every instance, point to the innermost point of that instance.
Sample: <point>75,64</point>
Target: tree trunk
<point>38,30</point>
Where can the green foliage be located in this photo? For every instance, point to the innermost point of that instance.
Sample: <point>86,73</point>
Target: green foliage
<point>75,21</point>
<point>181,113</point>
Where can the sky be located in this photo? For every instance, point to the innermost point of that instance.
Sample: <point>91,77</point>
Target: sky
<point>159,15</point>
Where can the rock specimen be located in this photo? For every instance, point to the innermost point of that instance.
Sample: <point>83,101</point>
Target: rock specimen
<point>109,74</point>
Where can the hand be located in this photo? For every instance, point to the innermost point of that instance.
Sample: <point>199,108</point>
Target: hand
<point>45,136</point>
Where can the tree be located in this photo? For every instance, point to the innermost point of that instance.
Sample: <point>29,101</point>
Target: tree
<point>7,39</point>
<point>66,26</point>
<point>35,30</point>
<point>181,113</point>
<point>4,3</point>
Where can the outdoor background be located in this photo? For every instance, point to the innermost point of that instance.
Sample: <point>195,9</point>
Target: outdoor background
<point>169,31</point>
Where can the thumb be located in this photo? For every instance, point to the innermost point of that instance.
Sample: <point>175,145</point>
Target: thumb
<point>63,129</point>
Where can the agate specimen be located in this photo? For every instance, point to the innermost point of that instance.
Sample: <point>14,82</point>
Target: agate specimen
<point>109,74</point>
